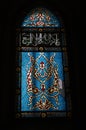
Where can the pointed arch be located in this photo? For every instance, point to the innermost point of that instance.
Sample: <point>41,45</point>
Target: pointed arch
<point>41,17</point>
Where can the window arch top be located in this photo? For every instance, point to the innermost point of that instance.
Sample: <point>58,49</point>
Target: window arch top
<point>41,17</point>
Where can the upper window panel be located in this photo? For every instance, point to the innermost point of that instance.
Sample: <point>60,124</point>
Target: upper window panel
<point>41,17</point>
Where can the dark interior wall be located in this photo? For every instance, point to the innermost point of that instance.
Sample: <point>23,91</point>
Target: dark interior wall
<point>12,14</point>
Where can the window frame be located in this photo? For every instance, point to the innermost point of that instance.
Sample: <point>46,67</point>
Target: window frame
<point>63,49</point>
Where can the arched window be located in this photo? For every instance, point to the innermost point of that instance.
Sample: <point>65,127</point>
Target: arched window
<point>42,82</point>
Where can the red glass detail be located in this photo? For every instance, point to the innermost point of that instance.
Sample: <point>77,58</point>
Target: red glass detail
<point>55,84</point>
<point>42,62</point>
<point>30,86</point>
<point>32,18</point>
<point>40,16</point>
<point>40,23</point>
<point>29,79</point>
<point>43,87</point>
<point>42,65</point>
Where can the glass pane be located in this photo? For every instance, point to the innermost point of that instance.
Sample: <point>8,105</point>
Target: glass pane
<point>40,39</point>
<point>42,79</point>
<point>41,17</point>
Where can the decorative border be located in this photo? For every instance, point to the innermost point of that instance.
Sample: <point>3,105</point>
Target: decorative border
<point>39,29</point>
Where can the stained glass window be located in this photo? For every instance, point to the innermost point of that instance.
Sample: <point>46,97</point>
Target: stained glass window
<point>42,71</point>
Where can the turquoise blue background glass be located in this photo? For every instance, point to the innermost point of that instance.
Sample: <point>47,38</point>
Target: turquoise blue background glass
<point>26,64</point>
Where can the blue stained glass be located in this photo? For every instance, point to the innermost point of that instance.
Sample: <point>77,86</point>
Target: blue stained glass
<point>42,82</point>
<point>41,17</point>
